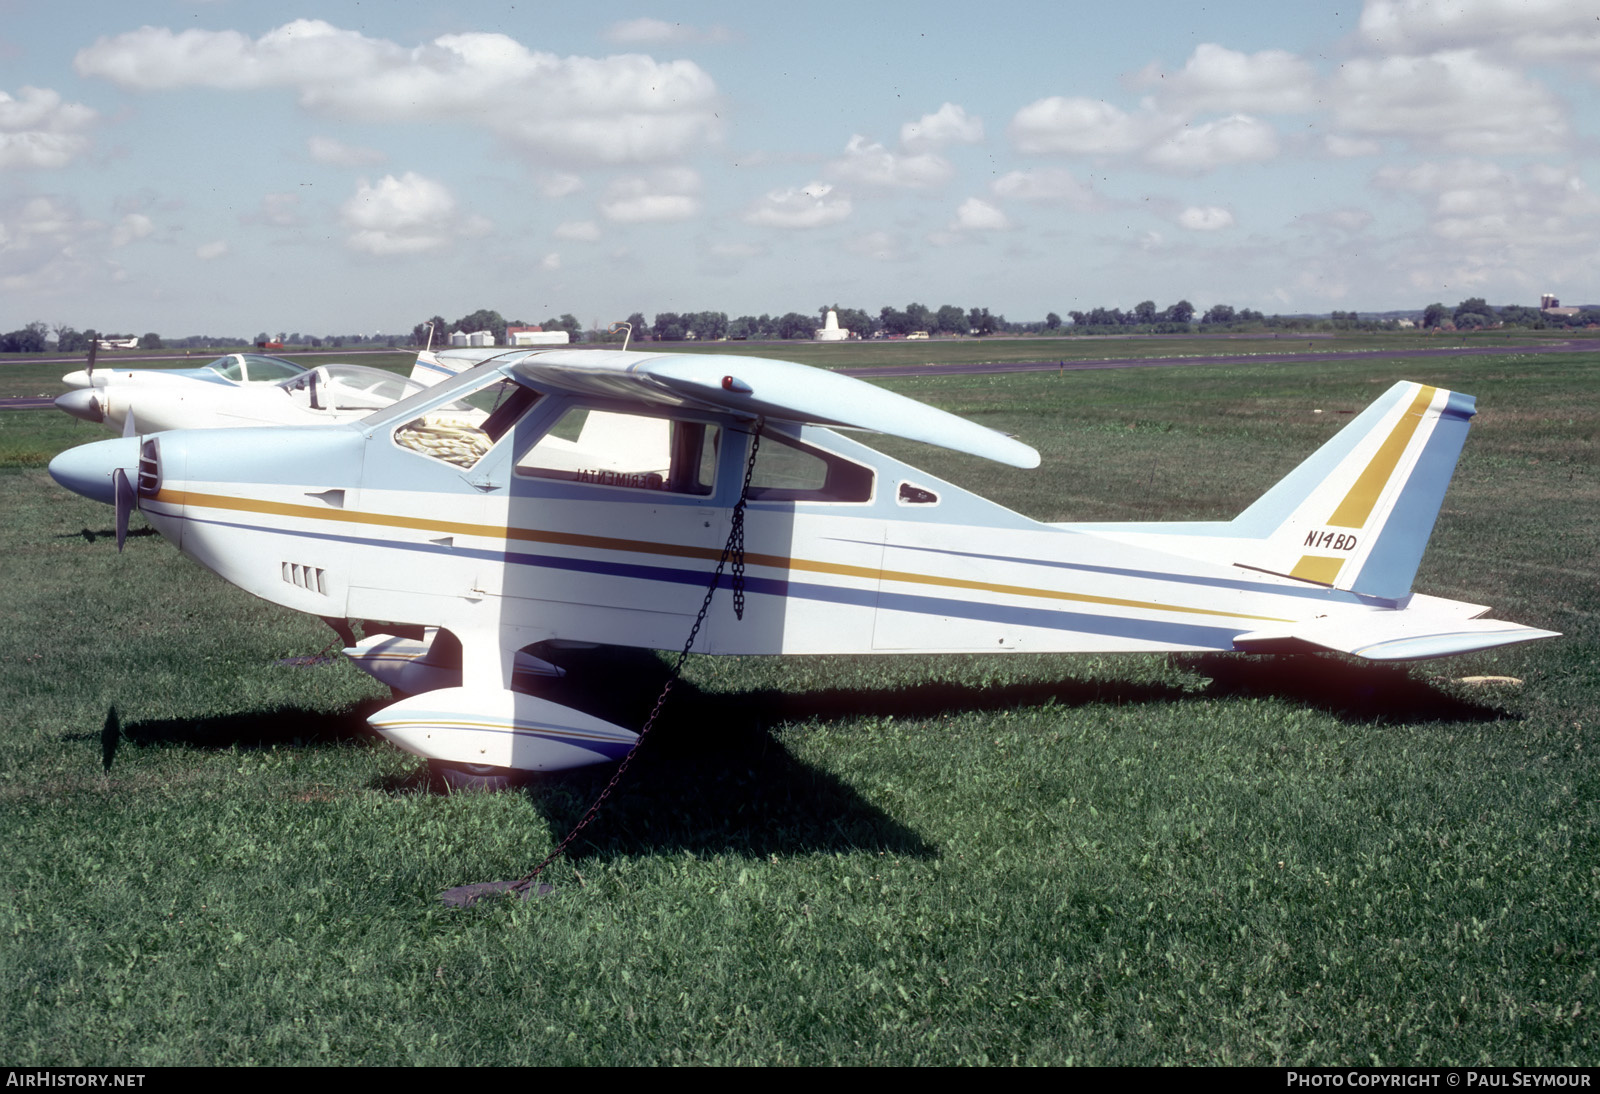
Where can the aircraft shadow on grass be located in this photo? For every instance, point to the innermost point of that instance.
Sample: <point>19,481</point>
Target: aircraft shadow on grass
<point>1354,693</point>
<point>715,777</point>
<point>89,535</point>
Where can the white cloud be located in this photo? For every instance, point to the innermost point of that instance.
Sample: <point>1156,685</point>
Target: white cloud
<point>1076,126</point>
<point>1208,218</point>
<point>665,196</point>
<point>1235,139</point>
<point>1350,147</point>
<point>1526,29</point>
<point>584,231</point>
<point>871,163</point>
<point>131,227</point>
<point>560,185</point>
<point>1456,100</point>
<point>738,251</point>
<point>47,248</point>
<point>948,125</point>
<point>977,215</point>
<point>338,154</point>
<point>278,210</point>
<point>551,261</point>
<point>620,109</point>
<point>1519,213</point>
<point>880,245</point>
<point>655,32</point>
<point>802,207</point>
<point>406,215</point>
<point>207,252</point>
<point>39,130</point>
<point>1045,186</point>
<point>1218,79</point>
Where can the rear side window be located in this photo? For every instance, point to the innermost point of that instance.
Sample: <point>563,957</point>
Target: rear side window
<point>787,470</point>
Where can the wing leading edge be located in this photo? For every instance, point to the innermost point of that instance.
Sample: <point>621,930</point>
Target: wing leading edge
<point>757,387</point>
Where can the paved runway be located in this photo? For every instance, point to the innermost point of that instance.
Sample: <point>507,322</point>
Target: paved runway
<point>1309,357</point>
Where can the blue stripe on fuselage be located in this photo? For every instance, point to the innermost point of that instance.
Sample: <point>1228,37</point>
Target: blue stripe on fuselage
<point>1043,618</point>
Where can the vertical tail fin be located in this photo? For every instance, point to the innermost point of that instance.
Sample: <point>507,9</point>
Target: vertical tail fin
<point>1357,514</point>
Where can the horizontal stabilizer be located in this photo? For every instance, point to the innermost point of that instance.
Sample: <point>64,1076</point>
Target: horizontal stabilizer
<point>1391,636</point>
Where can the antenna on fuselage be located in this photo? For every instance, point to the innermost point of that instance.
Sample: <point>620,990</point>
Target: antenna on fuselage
<point>429,346</point>
<point>626,326</point>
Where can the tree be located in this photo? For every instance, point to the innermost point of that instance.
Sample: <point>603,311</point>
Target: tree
<point>950,319</point>
<point>893,321</point>
<point>795,325</point>
<point>150,341</point>
<point>420,334</point>
<point>709,326</point>
<point>70,341</point>
<point>1052,321</point>
<point>669,327</point>
<point>1181,312</point>
<point>30,339</point>
<point>856,321</point>
<point>482,319</point>
<point>1218,313</point>
<point>1145,311</point>
<point>919,317</point>
<point>1474,312</point>
<point>981,321</point>
<point>1434,315</point>
<point>567,323</point>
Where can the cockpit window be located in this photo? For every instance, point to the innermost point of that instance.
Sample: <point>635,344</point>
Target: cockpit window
<point>631,451</point>
<point>462,431</point>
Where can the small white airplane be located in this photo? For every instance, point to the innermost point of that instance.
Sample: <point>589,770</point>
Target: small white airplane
<point>237,390</point>
<point>522,523</point>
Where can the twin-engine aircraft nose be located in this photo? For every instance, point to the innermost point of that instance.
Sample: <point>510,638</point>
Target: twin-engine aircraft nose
<point>88,469</point>
<point>82,403</point>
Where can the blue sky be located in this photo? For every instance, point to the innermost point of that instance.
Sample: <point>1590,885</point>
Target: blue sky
<point>231,167</point>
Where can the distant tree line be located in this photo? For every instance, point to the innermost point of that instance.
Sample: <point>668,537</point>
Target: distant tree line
<point>1475,313</point>
<point>889,322</point>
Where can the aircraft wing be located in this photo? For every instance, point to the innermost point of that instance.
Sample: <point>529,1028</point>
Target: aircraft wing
<point>759,387</point>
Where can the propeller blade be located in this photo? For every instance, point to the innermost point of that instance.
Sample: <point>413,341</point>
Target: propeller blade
<point>126,502</point>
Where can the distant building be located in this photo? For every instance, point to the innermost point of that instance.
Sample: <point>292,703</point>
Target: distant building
<point>831,331</point>
<point>536,336</point>
<point>476,338</point>
<point>1548,301</point>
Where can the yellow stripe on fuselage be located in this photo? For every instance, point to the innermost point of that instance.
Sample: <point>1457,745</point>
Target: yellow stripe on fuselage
<point>671,550</point>
<point>1358,504</point>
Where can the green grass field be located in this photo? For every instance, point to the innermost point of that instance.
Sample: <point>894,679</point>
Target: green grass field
<point>1032,859</point>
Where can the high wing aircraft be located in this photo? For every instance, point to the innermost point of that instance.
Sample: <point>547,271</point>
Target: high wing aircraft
<point>240,389</point>
<point>586,495</point>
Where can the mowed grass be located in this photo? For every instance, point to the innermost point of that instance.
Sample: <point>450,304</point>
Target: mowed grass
<point>1039,859</point>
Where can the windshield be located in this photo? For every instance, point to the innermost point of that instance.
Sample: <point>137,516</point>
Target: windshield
<point>349,387</point>
<point>254,367</point>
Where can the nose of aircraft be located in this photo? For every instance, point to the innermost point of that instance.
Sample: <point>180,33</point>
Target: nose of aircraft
<point>87,469</point>
<point>82,403</point>
<point>78,379</point>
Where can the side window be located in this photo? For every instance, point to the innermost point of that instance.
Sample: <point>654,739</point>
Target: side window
<point>790,471</point>
<point>630,451</point>
<point>461,432</point>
